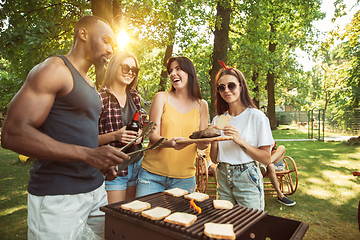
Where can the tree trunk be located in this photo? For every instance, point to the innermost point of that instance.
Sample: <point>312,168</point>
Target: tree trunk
<point>254,77</point>
<point>271,100</point>
<point>327,99</point>
<point>221,44</point>
<point>356,96</point>
<point>169,48</point>
<point>117,16</point>
<point>271,84</point>
<point>103,9</point>
<point>164,73</point>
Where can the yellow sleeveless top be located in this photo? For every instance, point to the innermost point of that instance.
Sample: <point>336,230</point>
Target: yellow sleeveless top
<point>168,161</point>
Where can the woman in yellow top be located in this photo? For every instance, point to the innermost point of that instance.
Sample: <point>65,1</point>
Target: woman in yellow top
<point>178,113</point>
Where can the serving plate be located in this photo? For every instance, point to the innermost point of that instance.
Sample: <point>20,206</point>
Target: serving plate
<point>214,139</point>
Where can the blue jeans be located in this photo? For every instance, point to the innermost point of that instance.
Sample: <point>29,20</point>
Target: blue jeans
<point>122,182</point>
<point>149,183</point>
<point>241,184</point>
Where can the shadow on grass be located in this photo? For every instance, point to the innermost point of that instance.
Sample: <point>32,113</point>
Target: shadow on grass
<point>14,177</point>
<point>14,225</point>
<point>328,195</point>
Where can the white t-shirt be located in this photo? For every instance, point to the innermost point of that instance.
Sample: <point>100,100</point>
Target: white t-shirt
<point>254,128</point>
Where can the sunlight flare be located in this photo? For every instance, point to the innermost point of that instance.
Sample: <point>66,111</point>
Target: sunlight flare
<point>122,39</point>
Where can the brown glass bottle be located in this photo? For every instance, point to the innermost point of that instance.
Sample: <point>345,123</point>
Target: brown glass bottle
<point>134,125</point>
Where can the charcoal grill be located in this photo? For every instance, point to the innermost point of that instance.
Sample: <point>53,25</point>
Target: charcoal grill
<point>124,224</point>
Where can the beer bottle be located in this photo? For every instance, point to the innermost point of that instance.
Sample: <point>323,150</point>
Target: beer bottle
<point>134,125</point>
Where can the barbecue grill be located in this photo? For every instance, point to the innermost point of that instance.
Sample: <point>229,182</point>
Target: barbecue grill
<point>248,223</point>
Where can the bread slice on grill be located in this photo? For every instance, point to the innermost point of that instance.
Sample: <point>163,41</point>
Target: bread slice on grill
<point>197,196</point>
<point>176,192</point>
<point>180,218</point>
<point>223,204</point>
<point>136,206</point>
<point>222,121</point>
<point>219,231</point>
<point>157,213</point>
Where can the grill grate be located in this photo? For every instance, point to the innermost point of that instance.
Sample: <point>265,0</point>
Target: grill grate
<point>242,218</point>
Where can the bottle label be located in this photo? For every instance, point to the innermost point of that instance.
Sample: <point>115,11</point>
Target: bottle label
<point>136,116</point>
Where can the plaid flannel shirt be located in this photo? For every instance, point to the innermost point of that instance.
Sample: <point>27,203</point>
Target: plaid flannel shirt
<point>110,118</point>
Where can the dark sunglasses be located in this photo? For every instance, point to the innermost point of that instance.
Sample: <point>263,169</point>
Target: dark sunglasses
<point>125,69</point>
<point>231,86</point>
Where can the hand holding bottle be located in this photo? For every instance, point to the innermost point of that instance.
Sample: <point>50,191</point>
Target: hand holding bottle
<point>124,136</point>
<point>134,126</point>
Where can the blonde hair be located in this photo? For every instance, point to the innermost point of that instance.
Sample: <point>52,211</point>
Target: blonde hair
<point>116,60</point>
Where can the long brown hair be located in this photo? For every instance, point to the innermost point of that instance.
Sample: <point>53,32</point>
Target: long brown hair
<point>187,66</point>
<point>117,59</point>
<point>221,105</point>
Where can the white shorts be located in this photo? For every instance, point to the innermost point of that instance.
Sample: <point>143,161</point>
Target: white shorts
<point>67,217</point>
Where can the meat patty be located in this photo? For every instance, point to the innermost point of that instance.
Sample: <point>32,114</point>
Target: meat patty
<point>206,133</point>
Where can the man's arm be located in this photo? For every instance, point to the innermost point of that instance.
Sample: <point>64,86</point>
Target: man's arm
<point>28,111</point>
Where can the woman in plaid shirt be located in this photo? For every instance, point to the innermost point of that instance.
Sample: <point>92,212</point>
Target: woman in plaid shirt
<point>119,101</point>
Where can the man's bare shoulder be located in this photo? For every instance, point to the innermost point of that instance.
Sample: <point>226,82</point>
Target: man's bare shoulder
<point>49,65</point>
<point>52,73</point>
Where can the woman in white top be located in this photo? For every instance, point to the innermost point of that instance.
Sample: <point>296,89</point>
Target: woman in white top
<point>239,178</point>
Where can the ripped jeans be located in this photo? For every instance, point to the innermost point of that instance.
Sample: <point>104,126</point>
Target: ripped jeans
<point>149,183</point>
<point>241,184</point>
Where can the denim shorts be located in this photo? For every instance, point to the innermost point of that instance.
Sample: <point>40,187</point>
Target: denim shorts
<point>122,182</point>
<point>241,184</point>
<point>149,183</point>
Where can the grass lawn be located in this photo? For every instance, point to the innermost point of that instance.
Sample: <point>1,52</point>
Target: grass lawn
<point>14,177</point>
<point>285,132</point>
<point>327,197</point>
<point>296,132</point>
<point>328,194</point>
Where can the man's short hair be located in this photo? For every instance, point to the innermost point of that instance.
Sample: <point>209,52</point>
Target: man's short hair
<point>87,22</point>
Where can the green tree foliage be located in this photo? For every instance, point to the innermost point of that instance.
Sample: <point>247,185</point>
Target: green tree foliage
<point>264,36</point>
<point>329,83</point>
<point>338,71</point>
<point>34,30</point>
<point>155,25</point>
<point>352,31</point>
<point>6,86</point>
<point>31,31</point>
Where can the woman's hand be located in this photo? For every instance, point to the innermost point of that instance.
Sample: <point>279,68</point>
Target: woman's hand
<point>178,146</point>
<point>234,132</point>
<point>124,136</point>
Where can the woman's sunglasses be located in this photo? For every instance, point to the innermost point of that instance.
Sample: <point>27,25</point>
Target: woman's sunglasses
<point>231,86</point>
<point>125,69</point>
